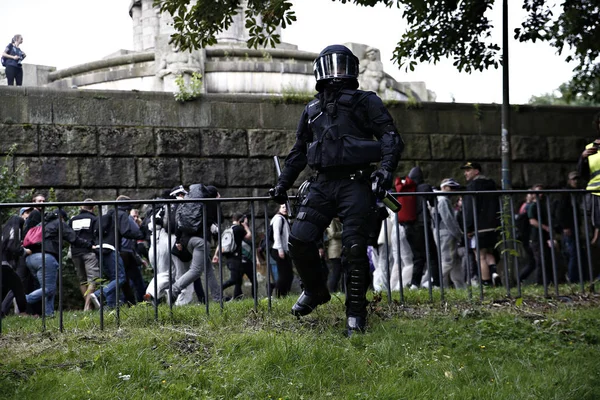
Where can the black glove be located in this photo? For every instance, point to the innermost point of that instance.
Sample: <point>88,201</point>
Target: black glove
<point>278,194</point>
<point>381,182</point>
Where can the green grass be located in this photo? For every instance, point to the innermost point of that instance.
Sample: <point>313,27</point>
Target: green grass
<point>535,348</point>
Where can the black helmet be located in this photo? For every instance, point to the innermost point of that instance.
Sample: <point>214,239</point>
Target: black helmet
<point>335,61</point>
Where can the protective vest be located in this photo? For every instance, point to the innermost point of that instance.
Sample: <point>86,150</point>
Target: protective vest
<point>594,163</point>
<point>341,137</point>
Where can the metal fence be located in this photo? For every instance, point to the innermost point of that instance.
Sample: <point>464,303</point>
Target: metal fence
<point>513,253</point>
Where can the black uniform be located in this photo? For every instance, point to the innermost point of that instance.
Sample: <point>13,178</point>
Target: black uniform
<point>341,134</point>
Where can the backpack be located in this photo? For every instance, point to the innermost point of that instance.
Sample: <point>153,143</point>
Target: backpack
<point>228,245</point>
<point>408,212</point>
<point>189,215</point>
<point>3,59</point>
<point>246,252</point>
<point>522,227</point>
<point>263,243</point>
<point>11,240</point>
<point>34,236</point>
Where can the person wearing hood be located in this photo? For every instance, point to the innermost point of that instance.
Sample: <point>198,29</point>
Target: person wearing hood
<point>342,134</point>
<point>487,215</point>
<point>161,225</point>
<point>112,263</point>
<point>450,234</point>
<point>55,225</point>
<point>195,242</point>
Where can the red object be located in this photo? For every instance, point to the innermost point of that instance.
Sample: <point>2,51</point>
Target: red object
<point>408,212</point>
<point>33,237</point>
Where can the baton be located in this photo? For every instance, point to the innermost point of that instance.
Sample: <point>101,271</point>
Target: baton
<point>278,170</point>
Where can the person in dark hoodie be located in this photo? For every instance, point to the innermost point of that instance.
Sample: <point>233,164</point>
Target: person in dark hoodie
<point>415,235</point>
<point>11,253</point>
<point>85,260</point>
<point>112,263</point>
<point>488,219</point>
<point>54,225</point>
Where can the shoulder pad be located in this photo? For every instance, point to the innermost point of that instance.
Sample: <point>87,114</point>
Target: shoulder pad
<point>313,108</point>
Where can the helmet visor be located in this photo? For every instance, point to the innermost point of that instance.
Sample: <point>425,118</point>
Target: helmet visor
<point>335,65</point>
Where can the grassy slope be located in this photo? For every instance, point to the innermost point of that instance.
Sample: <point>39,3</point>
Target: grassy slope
<point>542,349</point>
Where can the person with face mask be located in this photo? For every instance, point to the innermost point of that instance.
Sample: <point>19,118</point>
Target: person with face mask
<point>342,135</point>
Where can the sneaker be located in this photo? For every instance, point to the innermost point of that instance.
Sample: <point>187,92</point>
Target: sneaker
<point>170,299</point>
<point>496,280</point>
<point>414,287</point>
<point>94,300</point>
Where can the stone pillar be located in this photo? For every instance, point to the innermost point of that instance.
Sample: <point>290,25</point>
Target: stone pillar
<point>237,32</point>
<point>135,11</point>
<point>150,24</point>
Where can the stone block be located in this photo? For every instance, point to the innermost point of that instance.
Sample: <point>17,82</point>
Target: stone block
<point>416,147</point>
<point>82,194</point>
<point>120,141</point>
<point>522,121</point>
<point>158,172</point>
<point>415,120</point>
<point>234,115</point>
<point>107,172</point>
<point>279,116</point>
<point>446,147</point>
<point>551,175</point>
<point>566,149</point>
<point>223,142</point>
<point>191,114</point>
<point>60,139</point>
<point>480,147</point>
<point>270,143</point>
<point>24,136</point>
<point>204,170</point>
<point>459,121</point>
<point>529,148</point>
<point>228,208</point>
<point>141,194</point>
<point>180,142</point>
<point>250,172</point>
<point>46,172</point>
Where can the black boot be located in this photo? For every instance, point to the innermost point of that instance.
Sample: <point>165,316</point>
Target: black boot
<point>356,298</point>
<point>305,257</point>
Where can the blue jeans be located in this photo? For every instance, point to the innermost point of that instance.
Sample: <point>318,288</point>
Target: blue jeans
<point>570,252</point>
<point>108,270</point>
<point>34,263</point>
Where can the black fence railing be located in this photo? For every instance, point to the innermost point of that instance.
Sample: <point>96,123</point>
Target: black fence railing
<point>422,252</point>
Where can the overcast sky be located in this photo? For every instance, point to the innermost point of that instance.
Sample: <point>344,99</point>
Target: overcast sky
<point>64,33</point>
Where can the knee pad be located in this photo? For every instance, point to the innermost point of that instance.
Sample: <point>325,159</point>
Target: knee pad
<point>355,253</point>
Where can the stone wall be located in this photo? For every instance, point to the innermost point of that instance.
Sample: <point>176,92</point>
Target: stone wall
<point>104,143</point>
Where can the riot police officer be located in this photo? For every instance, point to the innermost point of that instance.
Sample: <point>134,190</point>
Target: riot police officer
<point>335,137</point>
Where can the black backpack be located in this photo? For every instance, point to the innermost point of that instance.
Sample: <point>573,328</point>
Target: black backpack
<point>263,243</point>
<point>522,227</point>
<point>189,215</point>
<point>3,59</point>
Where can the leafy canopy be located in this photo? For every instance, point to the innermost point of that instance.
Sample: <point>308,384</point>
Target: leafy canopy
<point>456,29</point>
